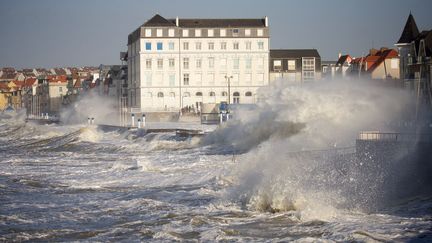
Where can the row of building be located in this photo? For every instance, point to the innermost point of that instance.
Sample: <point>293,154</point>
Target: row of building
<point>181,64</point>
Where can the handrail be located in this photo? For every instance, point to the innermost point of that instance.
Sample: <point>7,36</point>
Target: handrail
<point>395,136</point>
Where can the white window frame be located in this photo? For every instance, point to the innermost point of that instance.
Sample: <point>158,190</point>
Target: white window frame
<point>185,33</point>
<point>171,33</point>
<point>159,32</point>
<point>260,32</point>
<point>198,33</point>
<point>148,32</point>
<point>210,32</point>
<point>222,32</point>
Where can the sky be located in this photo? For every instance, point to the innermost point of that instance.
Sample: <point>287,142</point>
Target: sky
<point>60,33</point>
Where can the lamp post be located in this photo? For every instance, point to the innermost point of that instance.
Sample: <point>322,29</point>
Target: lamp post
<point>228,78</point>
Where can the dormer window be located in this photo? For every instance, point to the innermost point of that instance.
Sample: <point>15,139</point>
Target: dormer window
<point>197,33</point>
<point>171,32</point>
<point>159,32</point>
<point>260,32</point>
<point>247,32</point>
<point>185,33</point>
<point>148,32</point>
<point>210,33</point>
<point>235,32</point>
<point>223,32</point>
<point>277,65</point>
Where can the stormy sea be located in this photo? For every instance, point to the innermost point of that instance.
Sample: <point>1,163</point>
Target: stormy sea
<point>286,170</point>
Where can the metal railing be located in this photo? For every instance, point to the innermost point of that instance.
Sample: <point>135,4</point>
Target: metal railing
<point>395,136</point>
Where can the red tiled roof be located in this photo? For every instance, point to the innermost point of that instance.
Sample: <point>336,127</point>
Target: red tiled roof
<point>4,87</point>
<point>57,78</point>
<point>29,82</point>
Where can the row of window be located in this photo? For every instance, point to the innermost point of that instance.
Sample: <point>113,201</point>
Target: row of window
<point>210,61</point>
<point>199,94</point>
<point>210,79</point>
<point>210,46</point>
<point>205,32</point>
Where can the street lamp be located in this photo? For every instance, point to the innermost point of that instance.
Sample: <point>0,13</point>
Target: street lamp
<point>229,88</point>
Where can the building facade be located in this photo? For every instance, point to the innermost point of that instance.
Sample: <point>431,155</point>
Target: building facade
<point>177,63</point>
<point>296,65</point>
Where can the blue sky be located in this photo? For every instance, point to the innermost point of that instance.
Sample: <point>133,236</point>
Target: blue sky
<point>51,33</point>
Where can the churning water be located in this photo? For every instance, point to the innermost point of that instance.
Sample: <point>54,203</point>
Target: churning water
<point>282,172</point>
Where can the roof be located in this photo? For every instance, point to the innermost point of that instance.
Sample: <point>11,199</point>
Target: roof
<point>410,31</point>
<point>220,23</point>
<point>8,76</point>
<point>294,53</point>
<point>427,37</point>
<point>159,21</point>
<point>343,59</point>
<point>29,82</point>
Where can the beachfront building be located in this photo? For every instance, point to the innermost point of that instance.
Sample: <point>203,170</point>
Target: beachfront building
<point>177,63</point>
<point>295,65</point>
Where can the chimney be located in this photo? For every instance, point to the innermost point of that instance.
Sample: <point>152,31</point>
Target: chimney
<point>266,21</point>
<point>177,21</point>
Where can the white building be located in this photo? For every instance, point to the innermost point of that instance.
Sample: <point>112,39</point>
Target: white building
<point>174,63</point>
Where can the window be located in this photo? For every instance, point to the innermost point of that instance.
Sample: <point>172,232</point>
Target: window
<point>172,94</point>
<point>309,64</point>
<point>212,94</point>
<point>185,33</point>
<point>223,45</point>
<point>186,63</point>
<point>185,45</point>
<point>197,33</point>
<point>211,62</point>
<point>211,46</point>
<point>198,45</point>
<point>260,45</point>
<point>308,75</point>
<point>198,94</point>
<point>148,32</point>
<point>247,32</point>
<point>211,78</point>
<point>235,79</point>
<point>148,63</point>
<point>236,45</point>
<point>248,78</point>
<point>260,32</point>
<point>171,45</point>
<point>186,79</point>
<point>291,65</point>
<point>160,95</point>
<point>159,79</point>
<point>172,80</point>
<point>198,78</point>
<point>223,32</point>
<point>171,62</point>
<point>248,45</point>
<point>148,46</point>
<point>394,63</point>
<point>235,32</point>
<point>148,79</point>
<point>60,89</point>
<point>160,63</point>
<point>236,63</point>
<point>224,93</point>
<point>260,78</point>
<point>186,94</point>
<point>236,98</point>
<point>171,32</point>
<point>260,63</point>
<point>248,93</point>
<point>198,63</point>
<point>277,64</point>
<point>159,32</point>
<point>159,46</point>
<point>210,33</point>
<point>248,63</point>
<point>223,63</point>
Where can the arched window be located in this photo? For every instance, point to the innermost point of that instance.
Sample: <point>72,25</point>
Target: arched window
<point>248,93</point>
<point>212,94</point>
<point>160,95</point>
<point>186,94</point>
<point>236,98</point>
<point>198,94</point>
<point>224,93</point>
